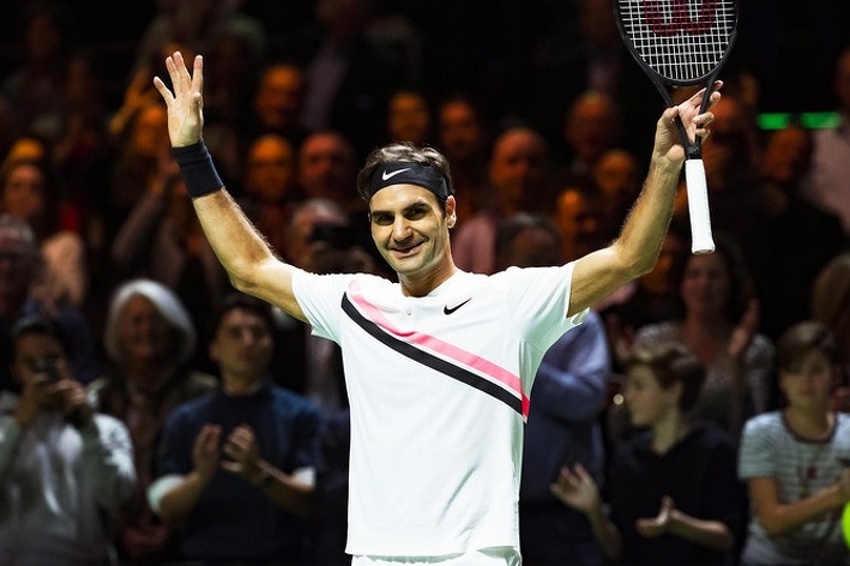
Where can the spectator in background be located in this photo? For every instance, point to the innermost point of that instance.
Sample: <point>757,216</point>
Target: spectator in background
<point>268,186</point>
<point>830,305</point>
<point>591,128</point>
<point>149,340</point>
<point>828,187</point>
<point>28,192</point>
<point>137,149</point>
<point>65,470</point>
<point>349,78</point>
<point>239,460</point>
<point>795,460</point>
<point>330,507</point>
<point>196,24</point>
<point>34,88</point>
<point>519,177</point>
<point>278,104</point>
<point>563,427</point>
<point>673,492</point>
<point>327,168</point>
<point>649,299</point>
<point>618,177</point>
<point>409,117</point>
<point>577,215</point>
<point>162,240</point>
<point>463,135</point>
<point>20,266</point>
<point>79,153</point>
<point>794,228</point>
<point>581,42</point>
<point>731,156</point>
<point>720,326</point>
<point>235,63</point>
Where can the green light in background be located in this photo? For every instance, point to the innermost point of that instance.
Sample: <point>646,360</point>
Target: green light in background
<point>809,120</point>
<point>819,120</point>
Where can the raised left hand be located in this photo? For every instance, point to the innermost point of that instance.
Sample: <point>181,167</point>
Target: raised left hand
<point>656,526</point>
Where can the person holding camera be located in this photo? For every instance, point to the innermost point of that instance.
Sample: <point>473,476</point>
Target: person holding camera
<point>64,469</point>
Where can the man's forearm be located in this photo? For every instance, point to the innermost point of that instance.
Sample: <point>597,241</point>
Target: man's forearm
<point>180,500</point>
<point>234,239</point>
<point>646,225</point>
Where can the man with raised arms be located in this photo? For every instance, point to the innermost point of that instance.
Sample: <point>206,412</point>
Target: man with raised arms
<point>438,364</point>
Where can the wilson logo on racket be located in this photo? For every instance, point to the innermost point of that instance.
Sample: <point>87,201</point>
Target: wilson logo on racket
<point>680,19</point>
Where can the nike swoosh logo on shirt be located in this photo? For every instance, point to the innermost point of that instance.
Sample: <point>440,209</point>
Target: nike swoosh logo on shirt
<point>447,310</point>
<point>387,175</point>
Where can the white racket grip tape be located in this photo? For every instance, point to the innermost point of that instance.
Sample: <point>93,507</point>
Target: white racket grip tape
<point>702,241</point>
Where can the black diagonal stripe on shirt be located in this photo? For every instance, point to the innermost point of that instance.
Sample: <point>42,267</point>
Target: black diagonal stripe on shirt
<point>430,360</point>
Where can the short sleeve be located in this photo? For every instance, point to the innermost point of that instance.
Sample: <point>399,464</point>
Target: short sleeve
<point>757,453</point>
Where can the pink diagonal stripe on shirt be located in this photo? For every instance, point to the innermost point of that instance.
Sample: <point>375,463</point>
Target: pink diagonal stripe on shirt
<point>493,371</point>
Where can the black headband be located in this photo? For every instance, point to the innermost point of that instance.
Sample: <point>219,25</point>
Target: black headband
<point>404,172</point>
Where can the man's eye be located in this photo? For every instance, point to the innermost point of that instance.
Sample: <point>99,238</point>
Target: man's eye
<point>382,219</point>
<point>416,213</point>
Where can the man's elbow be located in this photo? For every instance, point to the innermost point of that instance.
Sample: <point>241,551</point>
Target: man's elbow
<point>634,263</point>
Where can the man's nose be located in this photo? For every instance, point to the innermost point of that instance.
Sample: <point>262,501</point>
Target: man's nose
<point>401,229</point>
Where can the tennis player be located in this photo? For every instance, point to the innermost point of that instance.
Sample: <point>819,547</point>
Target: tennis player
<point>438,364</point>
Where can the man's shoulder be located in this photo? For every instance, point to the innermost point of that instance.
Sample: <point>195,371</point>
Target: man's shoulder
<point>293,401</point>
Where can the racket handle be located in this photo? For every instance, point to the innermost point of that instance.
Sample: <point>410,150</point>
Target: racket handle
<point>702,241</point>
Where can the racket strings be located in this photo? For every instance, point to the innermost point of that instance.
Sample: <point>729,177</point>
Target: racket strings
<point>681,40</point>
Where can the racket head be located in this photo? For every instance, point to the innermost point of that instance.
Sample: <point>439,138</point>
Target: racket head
<point>678,42</point>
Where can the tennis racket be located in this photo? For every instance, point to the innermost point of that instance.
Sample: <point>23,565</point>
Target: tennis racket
<point>682,43</point>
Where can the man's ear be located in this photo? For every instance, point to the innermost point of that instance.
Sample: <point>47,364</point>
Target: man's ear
<point>451,211</point>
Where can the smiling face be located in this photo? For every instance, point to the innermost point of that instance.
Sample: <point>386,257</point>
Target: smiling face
<point>144,333</point>
<point>411,232</point>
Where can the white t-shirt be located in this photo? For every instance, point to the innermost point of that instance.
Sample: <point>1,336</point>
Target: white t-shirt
<point>801,468</point>
<point>438,389</point>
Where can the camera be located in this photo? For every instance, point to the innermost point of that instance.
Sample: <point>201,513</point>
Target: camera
<point>48,367</point>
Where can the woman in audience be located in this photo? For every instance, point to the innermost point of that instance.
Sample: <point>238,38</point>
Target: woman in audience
<point>27,192</point>
<point>720,327</point>
<point>673,494</point>
<point>149,339</point>
<point>795,460</point>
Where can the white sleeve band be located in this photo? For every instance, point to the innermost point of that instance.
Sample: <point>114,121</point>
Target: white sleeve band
<point>305,475</point>
<point>160,487</point>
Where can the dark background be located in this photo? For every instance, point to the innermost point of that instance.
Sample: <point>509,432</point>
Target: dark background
<point>788,45</point>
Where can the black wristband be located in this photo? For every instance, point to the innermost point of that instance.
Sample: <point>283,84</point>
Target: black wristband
<point>197,168</point>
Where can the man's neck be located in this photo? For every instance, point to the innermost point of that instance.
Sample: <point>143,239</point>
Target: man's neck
<point>241,386</point>
<point>417,286</point>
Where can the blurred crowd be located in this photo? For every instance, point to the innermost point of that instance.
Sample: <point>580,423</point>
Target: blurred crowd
<point>213,429</point>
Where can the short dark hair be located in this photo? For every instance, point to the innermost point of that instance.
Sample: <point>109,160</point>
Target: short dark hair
<point>403,152</point>
<point>241,301</point>
<point>800,339</point>
<point>508,229</point>
<point>40,325</point>
<point>670,362</point>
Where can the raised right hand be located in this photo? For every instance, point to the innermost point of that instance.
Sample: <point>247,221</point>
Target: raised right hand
<point>185,104</point>
<point>205,452</point>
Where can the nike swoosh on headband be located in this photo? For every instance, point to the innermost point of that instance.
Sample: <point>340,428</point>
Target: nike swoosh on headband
<point>387,175</point>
